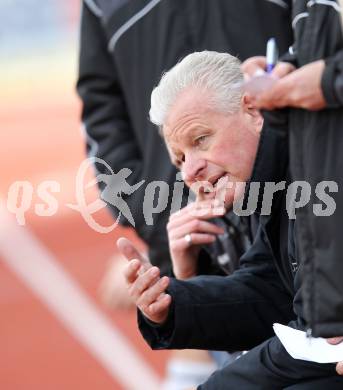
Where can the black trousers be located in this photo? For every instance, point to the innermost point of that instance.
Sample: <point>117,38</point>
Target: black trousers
<point>269,367</point>
<point>331,383</point>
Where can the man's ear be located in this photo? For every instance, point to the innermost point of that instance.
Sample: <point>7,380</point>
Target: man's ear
<point>248,105</point>
<point>254,113</point>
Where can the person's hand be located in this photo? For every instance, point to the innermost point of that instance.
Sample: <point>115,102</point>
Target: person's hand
<point>334,341</point>
<point>112,290</point>
<point>191,224</point>
<point>255,66</point>
<point>300,88</point>
<point>144,284</point>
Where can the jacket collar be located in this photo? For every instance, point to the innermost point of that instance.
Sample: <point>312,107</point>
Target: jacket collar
<point>271,163</point>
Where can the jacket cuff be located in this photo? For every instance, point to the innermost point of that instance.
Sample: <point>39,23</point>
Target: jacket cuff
<point>327,83</point>
<point>290,57</point>
<point>157,336</point>
<point>177,329</point>
<point>332,81</point>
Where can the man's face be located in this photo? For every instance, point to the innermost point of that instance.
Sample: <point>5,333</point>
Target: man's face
<point>207,145</point>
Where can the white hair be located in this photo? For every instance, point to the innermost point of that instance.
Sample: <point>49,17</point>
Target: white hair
<point>217,74</point>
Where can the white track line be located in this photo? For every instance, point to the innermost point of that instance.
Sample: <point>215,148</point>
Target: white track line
<point>42,272</point>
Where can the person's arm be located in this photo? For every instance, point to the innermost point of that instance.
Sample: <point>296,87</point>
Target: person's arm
<point>224,313</point>
<point>299,88</point>
<point>314,86</point>
<point>104,114</point>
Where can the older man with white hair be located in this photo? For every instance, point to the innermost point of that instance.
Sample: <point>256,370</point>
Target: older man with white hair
<point>213,134</point>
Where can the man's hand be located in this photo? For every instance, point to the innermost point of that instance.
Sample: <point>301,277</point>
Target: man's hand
<point>189,222</point>
<point>255,66</point>
<point>300,88</point>
<point>334,341</point>
<point>144,284</point>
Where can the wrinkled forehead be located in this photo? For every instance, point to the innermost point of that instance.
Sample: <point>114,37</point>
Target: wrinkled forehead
<point>180,129</point>
<point>189,107</point>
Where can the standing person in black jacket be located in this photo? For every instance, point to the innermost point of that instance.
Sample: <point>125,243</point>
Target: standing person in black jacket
<point>212,133</point>
<point>311,84</point>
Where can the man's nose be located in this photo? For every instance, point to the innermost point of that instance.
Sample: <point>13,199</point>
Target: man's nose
<point>193,170</point>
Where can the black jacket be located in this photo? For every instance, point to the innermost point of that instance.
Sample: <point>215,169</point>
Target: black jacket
<point>125,47</point>
<point>316,144</point>
<point>237,312</point>
<point>223,256</point>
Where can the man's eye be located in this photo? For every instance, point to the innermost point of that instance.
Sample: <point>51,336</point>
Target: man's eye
<point>200,140</point>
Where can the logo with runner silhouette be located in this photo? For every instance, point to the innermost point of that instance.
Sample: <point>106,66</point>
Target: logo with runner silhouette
<point>113,185</point>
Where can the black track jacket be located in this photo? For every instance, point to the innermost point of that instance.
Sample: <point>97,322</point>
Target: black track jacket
<point>316,145</point>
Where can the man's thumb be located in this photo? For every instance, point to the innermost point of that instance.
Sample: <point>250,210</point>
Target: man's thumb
<point>127,249</point>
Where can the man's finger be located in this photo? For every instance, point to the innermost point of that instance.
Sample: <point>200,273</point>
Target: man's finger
<point>143,282</point>
<point>197,239</point>
<point>160,305</point>
<point>253,66</point>
<point>131,270</point>
<point>335,340</point>
<point>273,97</point>
<point>204,213</point>
<point>339,368</point>
<point>152,294</point>
<point>191,206</point>
<point>282,69</point>
<point>127,249</point>
<point>196,226</point>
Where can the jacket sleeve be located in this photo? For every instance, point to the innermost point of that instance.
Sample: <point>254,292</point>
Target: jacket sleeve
<point>224,313</point>
<point>332,80</point>
<point>104,113</point>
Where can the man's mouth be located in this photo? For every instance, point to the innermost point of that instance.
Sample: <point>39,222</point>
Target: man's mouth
<point>220,179</point>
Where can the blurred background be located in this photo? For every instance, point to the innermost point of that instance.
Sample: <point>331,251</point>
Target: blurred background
<point>55,332</point>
